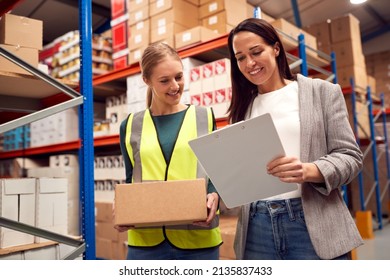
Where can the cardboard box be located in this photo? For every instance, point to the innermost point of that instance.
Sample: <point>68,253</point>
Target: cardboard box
<point>194,35</point>
<point>236,9</point>
<point>17,202</point>
<point>118,8</point>
<point>160,203</point>
<point>136,4</point>
<point>119,36</point>
<point>348,53</point>
<point>345,28</point>
<point>51,206</point>
<point>103,211</point>
<point>138,15</point>
<point>64,160</point>
<point>345,73</point>
<point>28,55</point>
<point>218,23</point>
<point>21,31</point>
<point>18,167</point>
<point>72,175</point>
<point>187,17</point>
<point>321,31</point>
<point>166,33</point>
<point>159,6</point>
<point>293,31</point>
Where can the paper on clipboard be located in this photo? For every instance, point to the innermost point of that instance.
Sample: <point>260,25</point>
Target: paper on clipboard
<point>235,159</point>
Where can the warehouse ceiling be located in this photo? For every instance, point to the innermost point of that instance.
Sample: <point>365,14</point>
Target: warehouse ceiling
<point>61,16</point>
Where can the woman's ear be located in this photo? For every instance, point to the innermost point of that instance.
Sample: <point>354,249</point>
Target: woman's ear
<point>145,81</point>
<point>276,49</point>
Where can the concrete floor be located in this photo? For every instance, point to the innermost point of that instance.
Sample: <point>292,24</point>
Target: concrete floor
<point>377,248</point>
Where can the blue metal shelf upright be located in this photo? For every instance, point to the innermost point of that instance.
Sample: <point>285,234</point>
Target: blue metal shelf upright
<point>372,147</point>
<point>86,153</point>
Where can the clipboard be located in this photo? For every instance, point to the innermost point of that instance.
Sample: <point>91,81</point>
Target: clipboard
<point>235,159</point>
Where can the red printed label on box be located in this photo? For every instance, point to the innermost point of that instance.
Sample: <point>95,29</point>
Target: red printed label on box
<point>121,62</point>
<point>196,100</point>
<point>195,74</point>
<point>118,8</point>
<point>208,98</point>
<point>229,93</point>
<point>119,36</point>
<point>220,96</point>
<point>207,70</point>
<point>220,67</point>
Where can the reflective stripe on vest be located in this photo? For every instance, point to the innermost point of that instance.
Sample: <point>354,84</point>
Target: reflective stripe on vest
<point>140,135</point>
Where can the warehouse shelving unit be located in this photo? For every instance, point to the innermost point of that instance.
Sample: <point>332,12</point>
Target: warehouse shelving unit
<point>374,143</point>
<point>14,85</point>
<point>206,51</point>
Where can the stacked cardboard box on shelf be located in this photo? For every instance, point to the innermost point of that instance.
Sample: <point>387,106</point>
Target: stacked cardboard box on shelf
<point>139,29</point>
<point>64,166</point>
<point>378,68</point>
<point>22,37</point>
<point>58,128</point>
<point>36,202</point>
<point>109,171</point>
<point>110,244</point>
<point>342,36</point>
<point>119,33</point>
<point>171,17</point>
<point>222,15</point>
<point>210,86</point>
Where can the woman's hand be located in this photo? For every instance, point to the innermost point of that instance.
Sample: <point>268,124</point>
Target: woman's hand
<point>292,170</point>
<point>212,206</point>
<point>123,228</point>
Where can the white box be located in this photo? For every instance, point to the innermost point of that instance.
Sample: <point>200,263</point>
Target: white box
<point>51,206</point>
<point>222,78</point>
<point>195,81</point>
<point>208,77</point>
<point>64,160</point>
<point>72,175</point>
<point>188,64</point>
<point>45,253</point>
<point>12,257</point>
<point>17,202</point>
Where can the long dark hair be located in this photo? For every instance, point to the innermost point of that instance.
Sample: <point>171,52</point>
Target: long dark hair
<point>243,91</point>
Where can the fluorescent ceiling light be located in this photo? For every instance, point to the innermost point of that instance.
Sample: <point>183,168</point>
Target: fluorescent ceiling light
<point>356,2</point>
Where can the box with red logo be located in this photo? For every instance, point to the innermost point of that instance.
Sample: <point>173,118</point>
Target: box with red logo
<point>121,59</point>
<point>196,99</point>
<point>208,98</point>
<point>195,81</point>
<point>119,34</point>
<point>222,77</point>
<point>118,8</point>
<point>208,77</point>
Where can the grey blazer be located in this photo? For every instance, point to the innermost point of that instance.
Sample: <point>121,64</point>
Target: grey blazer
<point>327,140</point>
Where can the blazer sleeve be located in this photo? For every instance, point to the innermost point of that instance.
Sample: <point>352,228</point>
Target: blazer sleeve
<point>343,159</point>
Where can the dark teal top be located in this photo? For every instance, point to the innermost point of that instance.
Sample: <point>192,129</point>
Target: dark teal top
<point>167,127</point>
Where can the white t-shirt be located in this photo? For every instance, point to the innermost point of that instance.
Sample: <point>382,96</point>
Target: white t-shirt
<point>283,105</point>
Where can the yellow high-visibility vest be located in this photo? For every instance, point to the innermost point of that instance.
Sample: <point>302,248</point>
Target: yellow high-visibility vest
<point>149,164</point>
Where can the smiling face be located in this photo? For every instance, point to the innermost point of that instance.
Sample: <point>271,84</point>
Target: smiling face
<point>167,83</point>
<point>257,60</point>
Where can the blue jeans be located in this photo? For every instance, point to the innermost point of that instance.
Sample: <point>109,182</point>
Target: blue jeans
<point>277,231</point>
<point>166,251</point>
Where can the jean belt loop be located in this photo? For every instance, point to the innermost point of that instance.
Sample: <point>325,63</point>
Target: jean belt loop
<point>290,210</point>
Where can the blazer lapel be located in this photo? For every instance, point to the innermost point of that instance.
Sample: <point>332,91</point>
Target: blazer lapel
<point>305,91</point>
